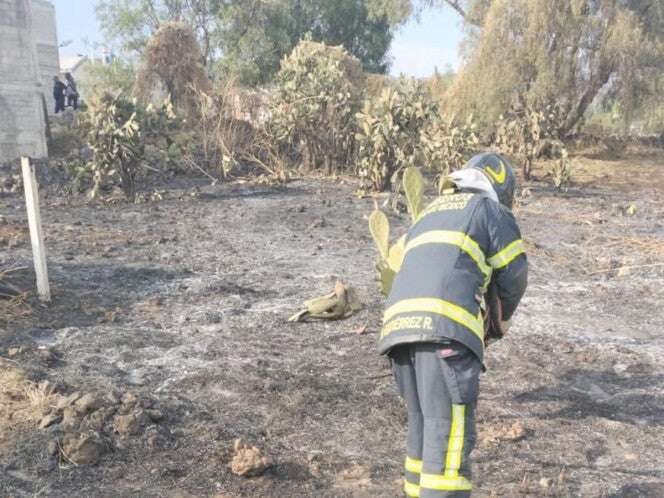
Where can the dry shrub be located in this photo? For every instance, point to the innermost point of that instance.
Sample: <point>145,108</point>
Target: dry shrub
<point>222,137</point>
<point>21,399</point>
<point>231,132</point>
<point>173,60</point>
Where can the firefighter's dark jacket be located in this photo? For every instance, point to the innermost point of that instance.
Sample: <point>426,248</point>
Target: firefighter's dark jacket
<point>459,243</point>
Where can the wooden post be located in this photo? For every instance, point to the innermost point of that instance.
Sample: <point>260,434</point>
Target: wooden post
<point>36,235</point>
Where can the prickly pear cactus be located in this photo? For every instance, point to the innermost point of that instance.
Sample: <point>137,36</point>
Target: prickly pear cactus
<point>413,183</point>
<point>391,257</point>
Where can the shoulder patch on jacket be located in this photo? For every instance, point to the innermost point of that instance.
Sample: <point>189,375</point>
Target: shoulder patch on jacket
<point>454,202</point>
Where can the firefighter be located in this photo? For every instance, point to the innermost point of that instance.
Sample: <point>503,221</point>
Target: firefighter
<point>462,244</point>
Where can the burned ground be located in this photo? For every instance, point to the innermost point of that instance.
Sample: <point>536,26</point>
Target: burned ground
<point>179,307</point>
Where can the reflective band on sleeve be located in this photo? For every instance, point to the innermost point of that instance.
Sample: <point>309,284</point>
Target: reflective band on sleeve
<point>462,240</point>
<point>442,483</point>
<point>507,255</point>
<point>414,466</point>
<point>438,307</point>
<point>455,441</point>
<point>411,489</point>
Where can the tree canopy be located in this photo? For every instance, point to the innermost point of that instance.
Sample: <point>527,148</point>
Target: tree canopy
<point>564,53</point>
<point>250,37</point>
<point>133,22</point>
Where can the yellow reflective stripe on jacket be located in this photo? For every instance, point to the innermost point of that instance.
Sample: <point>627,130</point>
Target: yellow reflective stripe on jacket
<point>438,307</point>
<point>442,483</point>
<point>455,441</point>
<point>413,465</point>
<point>411,489</point>
<point>507,255</point>
<point>462,240</point>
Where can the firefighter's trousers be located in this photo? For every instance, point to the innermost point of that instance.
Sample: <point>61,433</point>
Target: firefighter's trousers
<point>439,383</point>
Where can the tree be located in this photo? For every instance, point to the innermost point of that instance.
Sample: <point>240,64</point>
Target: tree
<point>250,37</point>
<point>133,22</point>
<point>397,11</point>
<point>255,35</point>
<point>563,53</point>
<point>117,77</point>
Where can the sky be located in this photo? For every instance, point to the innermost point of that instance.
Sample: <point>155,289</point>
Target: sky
<point>418,47</point>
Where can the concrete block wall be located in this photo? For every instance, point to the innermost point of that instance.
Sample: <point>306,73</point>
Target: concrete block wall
<point>45,35</point>
<point>22,120</point>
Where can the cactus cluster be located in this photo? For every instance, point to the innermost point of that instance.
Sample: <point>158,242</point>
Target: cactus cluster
<point>524,130</point>
<point>403,127</point>
<point>115,140</point>
<point>319,89</point>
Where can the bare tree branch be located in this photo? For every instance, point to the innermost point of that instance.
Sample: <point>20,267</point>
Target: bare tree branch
<point>456,5</point>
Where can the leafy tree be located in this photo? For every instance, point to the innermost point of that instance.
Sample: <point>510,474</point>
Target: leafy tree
<point>133,22</point>
<point>565,52</point>
<point>117,77</point>
<point>256,34</point>
<point>250,37</point>
<point>254,37</point>
<point>397,11</point>
<point>562,53</point>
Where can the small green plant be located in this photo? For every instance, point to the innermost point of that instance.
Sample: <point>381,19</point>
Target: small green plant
<point>561,172</point>
<point>115,139</point>
<point>80,176</point>
<point>319,89</point>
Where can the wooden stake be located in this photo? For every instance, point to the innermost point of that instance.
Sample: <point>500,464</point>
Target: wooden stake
<point>36,235</point>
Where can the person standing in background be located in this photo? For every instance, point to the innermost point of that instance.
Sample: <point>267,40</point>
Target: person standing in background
<point>59,90</point>
<point>71,91</point>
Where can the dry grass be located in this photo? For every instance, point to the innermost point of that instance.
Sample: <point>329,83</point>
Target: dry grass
<point>21,400</point>
<point>14,309</point>
<point>645,246</point>
<point>40,397</point>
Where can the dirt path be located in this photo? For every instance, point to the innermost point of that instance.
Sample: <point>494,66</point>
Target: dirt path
<point>183,302</point>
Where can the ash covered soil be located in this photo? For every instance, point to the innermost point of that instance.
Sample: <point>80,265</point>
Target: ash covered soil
<point>167,340</point>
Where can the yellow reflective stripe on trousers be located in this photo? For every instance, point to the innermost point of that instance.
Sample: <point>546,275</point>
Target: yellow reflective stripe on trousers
<point>507,255</point>
<point>413,465</point>
<point>411,489</point>
<point>442,483</point>
<point>438,307</point>
<point>459,239</point>
<point>450,480</point>
<point>455,441</point>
